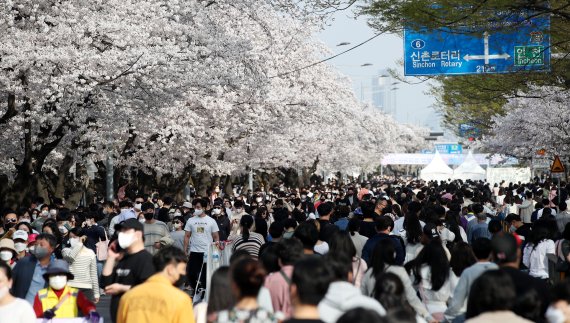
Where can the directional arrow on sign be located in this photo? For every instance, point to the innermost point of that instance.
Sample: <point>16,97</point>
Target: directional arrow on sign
<point>479,57</point>
<point>486,55</point>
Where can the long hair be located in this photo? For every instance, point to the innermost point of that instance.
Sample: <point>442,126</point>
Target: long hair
<point>461,257</point>
<point>220,299</point>
<point>340,244</point>
<point>413,228</point>
<point>246,223</point>
<point>390,292</point>
<point>433,255</point>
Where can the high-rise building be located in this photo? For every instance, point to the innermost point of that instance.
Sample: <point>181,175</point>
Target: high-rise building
<point>382,96</point>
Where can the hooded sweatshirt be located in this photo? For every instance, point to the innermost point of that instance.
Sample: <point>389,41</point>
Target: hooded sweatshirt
<point>343,296</point>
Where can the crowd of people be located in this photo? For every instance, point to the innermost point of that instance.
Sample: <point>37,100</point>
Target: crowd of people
<point>386,250</point>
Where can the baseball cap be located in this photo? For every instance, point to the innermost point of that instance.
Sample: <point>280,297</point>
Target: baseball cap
<point>430,230</point>
<point>187,205</point>
<point>32,237</point>
<point>130,224</point>
<point>20,234</point>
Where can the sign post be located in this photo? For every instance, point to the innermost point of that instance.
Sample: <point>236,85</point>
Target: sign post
<point>556,170</point>
<point>506,44</point>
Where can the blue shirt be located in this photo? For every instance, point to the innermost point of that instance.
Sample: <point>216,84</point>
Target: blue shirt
<point>479,230</point>
<point>342,224</point>
<point>38,282</point>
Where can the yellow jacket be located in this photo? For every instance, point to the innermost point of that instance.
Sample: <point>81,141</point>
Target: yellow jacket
<point>49,299</point>
<point>156,300</point>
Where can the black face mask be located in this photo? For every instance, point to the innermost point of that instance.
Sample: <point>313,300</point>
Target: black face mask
<point>9,225</point>
<point>148,216</point>
<point>180,282</point>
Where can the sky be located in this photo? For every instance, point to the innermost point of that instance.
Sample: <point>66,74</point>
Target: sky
<point>411,103</point>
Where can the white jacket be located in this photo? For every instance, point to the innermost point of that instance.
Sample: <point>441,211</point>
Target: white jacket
<point>343,296</point>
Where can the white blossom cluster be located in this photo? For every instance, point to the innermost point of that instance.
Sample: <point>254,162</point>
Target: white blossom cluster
<point>169,84</point>
<point>537,119</point>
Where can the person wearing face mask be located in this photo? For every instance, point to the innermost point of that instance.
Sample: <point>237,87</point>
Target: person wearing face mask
<point>24,215</point>
<point>8,252</point>
<point>201,231</point>
<point>127,212</point>
<point>516,225</point>
<point>154,230</point>
<point>178,233</point>
<point>164,211</point>
<point>20,238</point>
<point>16,309</point>
<point>9,219</point>
<point>28,272</point>
<point>42,216</point>
<point>222,220</point>
<point>83,265</point>
<point>59,300</point>
<point>239,211</point>
<point>170,263</point>
<point>128,263</point>
<point>64,224</point>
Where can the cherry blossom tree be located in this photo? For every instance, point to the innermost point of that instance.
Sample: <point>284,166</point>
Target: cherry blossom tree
<point>537,119</point>
<point>174,87</point>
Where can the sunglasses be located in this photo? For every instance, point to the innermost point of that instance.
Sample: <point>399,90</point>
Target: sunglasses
<point>177,222</point>
<point>12,220</point>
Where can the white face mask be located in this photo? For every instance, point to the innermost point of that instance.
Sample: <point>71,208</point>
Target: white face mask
<point>4,291</point>
<point>259,199</point>
<point>138,206</point>
<point>63,229</point>
<point>126,239</point>
<point>239,210</point>
<point>198,212</point>
<point>45,213</point>
<point>177,214</point>
<point>74,242</point>
<point>53,212</point>
<point>57,282</point>
<point>24,220</point>
<point>217,211</point>
<point>20,246</point>
<point>177,225</point>
<point>5,255</point>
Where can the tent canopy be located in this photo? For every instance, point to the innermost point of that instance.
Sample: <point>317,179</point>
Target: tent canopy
<point>470,169</point>
<point>436,170</point>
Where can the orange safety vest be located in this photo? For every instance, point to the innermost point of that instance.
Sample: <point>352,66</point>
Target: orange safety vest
<point>49,300</point>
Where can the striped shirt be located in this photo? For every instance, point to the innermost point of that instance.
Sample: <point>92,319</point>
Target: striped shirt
<point>252,245</point>
<point>83,265</point>
<point>153,232</point>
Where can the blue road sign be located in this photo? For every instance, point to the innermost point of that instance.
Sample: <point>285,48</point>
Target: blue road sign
<point>505,45</point>
<point>467,130</point>
<point>449,148</point>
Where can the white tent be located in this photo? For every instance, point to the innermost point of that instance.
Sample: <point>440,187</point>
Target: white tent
<point>436,170</point>
<point>469,169</point>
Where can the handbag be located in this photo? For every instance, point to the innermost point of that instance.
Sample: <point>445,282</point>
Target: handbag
<point>102,248</point>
